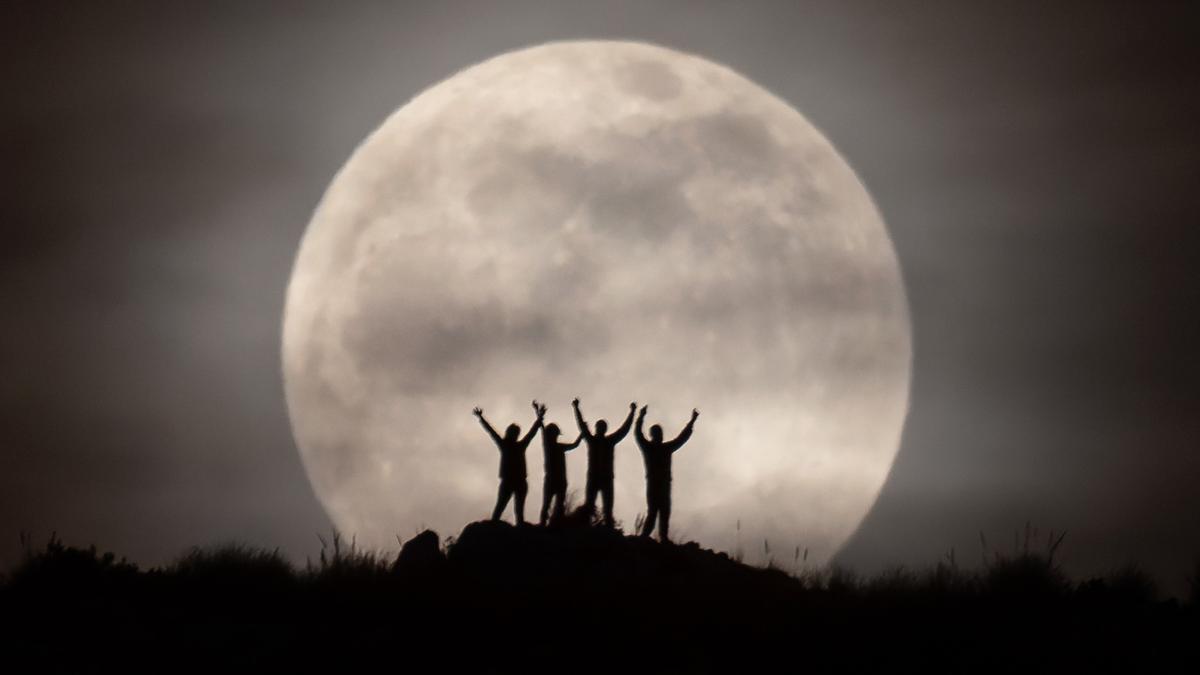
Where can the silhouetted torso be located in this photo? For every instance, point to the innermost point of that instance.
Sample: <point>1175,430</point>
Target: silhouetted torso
<point>555,459</point>
<point>511,446</point>
<point>512,459</point>
<point>600,456</point>
<point>657,454</point>
<point>657,457</point>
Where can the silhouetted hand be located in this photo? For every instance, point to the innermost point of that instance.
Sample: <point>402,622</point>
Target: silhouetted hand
<point>695,414</point>
<point>575,401</point>
<point>478,411</point>
<point>643,413</point>
<point>633,406</point>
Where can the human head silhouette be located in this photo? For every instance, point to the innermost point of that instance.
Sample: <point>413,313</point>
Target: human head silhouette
<point>551,430</point>
<point>601,427</point>
<point>511,433</point>
<point>656,433</point>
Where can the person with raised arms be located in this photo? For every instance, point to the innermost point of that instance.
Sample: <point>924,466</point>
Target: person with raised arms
<point>656,453</point>
<point>601,447</point>
<point>554,487</point>
<point>512,462</point>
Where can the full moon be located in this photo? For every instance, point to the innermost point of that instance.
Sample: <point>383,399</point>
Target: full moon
<point>615,221</point>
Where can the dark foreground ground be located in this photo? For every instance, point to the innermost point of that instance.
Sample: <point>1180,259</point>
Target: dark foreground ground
<point>574,599</point>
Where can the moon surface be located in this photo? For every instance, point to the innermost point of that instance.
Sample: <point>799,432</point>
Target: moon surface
<point>615,221</point>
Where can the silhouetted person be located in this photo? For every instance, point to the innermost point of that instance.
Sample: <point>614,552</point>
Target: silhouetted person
<point>657,454</point>
<point>600,459</point>
<point>555,485</point>
<point>512,462</point>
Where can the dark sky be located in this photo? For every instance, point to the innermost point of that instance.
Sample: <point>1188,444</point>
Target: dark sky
<point>1038,167</point>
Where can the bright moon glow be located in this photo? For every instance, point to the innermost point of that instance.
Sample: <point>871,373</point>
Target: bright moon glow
<point>616,221</point>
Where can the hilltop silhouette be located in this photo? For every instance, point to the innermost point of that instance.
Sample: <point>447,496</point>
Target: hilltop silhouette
<point>575,597</point>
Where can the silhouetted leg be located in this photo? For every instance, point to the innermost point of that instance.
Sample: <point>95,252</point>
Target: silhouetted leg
<point>522,490</point>
<point>560,506</point>
<point>501,500</point>
<point>607,493</point>
<point>651,511</point>
<point>664,515</point>
<point>590,499</point>
<point>648,526</point>
<point>547,495</point>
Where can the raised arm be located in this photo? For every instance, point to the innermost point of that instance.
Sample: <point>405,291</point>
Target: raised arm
<point>572,445</point>
<point>637,430</point>
<point>677,442</point>
<point>583,427</point>
<point>491,432</point>
<point>537,423</point>
<point>617,435</point>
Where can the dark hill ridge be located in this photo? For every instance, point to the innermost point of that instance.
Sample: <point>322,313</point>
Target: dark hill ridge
<point>535,556</point>
<point>577,598</point>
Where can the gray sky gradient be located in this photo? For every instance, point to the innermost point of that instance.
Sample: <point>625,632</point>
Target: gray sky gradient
<point>1036,167</point>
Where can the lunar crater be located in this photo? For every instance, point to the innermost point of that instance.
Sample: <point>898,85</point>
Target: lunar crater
<point>652,79</point>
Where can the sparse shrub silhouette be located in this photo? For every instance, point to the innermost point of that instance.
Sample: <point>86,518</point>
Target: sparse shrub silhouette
<point>1026,573</point>
<point>577,516</point>
<point>61,567</point>
<point>232,560</point>
<point>1131,585</point>
<point>895,580</point>
<point>340,564</point>
<point>947,579</point>
<point>842,581</point>
<point>227,574</point>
